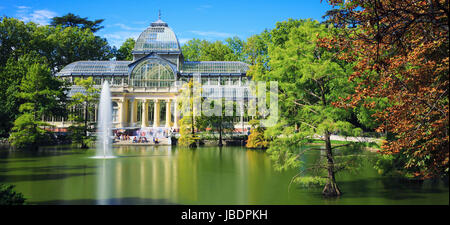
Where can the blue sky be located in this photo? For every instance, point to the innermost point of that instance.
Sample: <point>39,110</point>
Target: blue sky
<point>203,19</point>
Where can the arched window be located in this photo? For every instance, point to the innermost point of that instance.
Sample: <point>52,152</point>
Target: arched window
<point>152,73</point>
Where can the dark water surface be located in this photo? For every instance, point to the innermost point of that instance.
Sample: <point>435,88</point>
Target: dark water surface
<point>207,175</point>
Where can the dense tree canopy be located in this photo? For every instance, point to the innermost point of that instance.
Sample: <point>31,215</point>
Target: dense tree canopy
<point>203,50</point>
<point>41,94</point>
<point>309,79</point>
<point>402,54</point>
<point>72,20</point>
<point>125,50</point>
<point>86,102</point>
<point>55,47</point>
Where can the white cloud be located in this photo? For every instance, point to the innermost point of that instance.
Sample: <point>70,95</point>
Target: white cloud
<point>119,32</point>
<point>118,37</point>
<point>183,40</point>
<point>212,34</point>
<point>23,7</point>
<point>125,27</point>
<point>142,22</point>
<point>41,16</point>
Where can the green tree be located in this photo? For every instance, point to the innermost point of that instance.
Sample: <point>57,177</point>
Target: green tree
<point>72,20</point>
<point>217,51</point>
<point>124,52</point>
<point>42,94</point>
<point>310,79</point>
<point>11,76</point>
<point>256,138</point>
<point>22,44</point>
<point>256,50</point>
<point>15,37</point>
<point>401,54</point>
<point>62,46</point>
<point>191,49</point>
<point>189,100</point>
<point>86,101</point>
<point>10,197</point>
<point>236,45</point>
<point>202,50</point>
<point>216,118</point>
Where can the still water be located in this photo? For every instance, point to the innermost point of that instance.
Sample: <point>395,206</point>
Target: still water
<point>207,175</point>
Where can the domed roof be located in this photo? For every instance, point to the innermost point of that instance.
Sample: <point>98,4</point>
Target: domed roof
<point>158,37</point>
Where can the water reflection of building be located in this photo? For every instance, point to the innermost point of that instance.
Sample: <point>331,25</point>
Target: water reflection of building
<point>144,91</point>
<point>150,175</point>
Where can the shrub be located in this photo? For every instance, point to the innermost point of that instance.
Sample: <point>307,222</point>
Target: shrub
<point>10,197</point>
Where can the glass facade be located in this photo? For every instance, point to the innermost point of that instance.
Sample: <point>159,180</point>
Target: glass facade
<point>214,67</point>
<point>95,68</point>
<point>152,73</point>
<point>157,71</point>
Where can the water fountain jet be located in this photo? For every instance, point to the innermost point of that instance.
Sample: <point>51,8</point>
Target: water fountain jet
<point>104,125</point>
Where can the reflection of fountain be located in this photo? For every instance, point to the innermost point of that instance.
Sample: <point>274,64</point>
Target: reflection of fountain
<point>104,124</point>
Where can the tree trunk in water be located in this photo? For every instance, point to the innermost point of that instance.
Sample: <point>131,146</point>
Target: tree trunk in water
<point>331,188</point>
<point>83,143</point>
<point>220,135</point>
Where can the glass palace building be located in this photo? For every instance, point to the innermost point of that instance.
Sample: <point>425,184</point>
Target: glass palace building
<point>144,91</point>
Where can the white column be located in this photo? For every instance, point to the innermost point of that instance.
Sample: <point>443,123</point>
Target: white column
<point>156,113</point>
<point>168,112</point>
<point>144,113</point>
<point>122,112</point>
<point>133,116</point>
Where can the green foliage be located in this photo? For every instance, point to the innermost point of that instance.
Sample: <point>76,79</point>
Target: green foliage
<point>15,38</point>
<point>125,51</point>
<point>24,44</point>
<point>10,197</point>
<point>27,132</point>
<point>256,138</point>
<point>62,46</point>
<point>42,94</point>
<point>285,146</point>
<point>219,123</point>
<point>187,137</point>
<point>12,75</point>
<point>187,97</point>
<point>237,45</point>
<point>71,20</point>
<point>191,49</point>
<point>284,158</point>
<point>310,181</point>
<point>202,50</point>
<point>393,165</point>
<point>348,157</point>
<point>365,115</point>
<point>59,45</point>
<point>86,101</point>
<point>384,164</point>
<point>310,78</point>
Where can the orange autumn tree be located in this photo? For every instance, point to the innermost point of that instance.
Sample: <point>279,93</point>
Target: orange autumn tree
<point>402,54</point>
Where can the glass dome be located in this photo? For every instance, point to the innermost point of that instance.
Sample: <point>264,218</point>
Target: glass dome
<point>157,38</point>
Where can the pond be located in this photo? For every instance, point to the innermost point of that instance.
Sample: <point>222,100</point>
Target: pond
<point>207,175</point>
